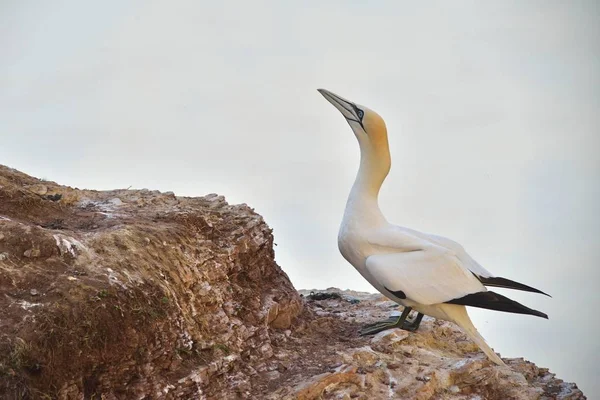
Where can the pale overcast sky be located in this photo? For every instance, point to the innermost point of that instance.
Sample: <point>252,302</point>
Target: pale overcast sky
<point>492,107</point>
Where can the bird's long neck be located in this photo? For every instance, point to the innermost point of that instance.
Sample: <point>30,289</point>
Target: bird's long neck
<point>375,163</point>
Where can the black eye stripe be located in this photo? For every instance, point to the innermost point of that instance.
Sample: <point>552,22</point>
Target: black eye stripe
<point>359,113</point>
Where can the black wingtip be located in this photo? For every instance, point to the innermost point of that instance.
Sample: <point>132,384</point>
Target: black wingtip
<point>539,314</point>
<point>496,281</point>
<point>494,301</point>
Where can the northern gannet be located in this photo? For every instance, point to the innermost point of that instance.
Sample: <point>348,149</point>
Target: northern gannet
<point>428,273</point>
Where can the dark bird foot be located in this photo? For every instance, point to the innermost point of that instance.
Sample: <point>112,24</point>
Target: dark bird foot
<point>414,324</point>
<point>394,322</point>
<point>371,329</point>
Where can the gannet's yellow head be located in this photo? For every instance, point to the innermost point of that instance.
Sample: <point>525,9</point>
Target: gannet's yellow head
<point>367,125</point>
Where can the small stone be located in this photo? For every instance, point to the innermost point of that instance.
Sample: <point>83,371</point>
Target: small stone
<point>282,367</point>
<point>32,253</point>
<point>1,237</point>
<point>54,197</point>
<point>272,375</point>
<point>266,350</point>
<point>39,189</point>
<point>3,256</point>
<point>33,292</point>
<point>393,365</point>
<point>115,201</point>
<point>454,389</point>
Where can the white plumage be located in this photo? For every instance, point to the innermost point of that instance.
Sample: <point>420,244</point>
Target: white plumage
<point>428,273</point>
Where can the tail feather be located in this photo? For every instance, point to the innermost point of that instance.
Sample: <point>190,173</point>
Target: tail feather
<point>459,315</point>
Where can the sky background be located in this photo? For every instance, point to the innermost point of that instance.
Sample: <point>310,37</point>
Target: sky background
<point>492,108</point>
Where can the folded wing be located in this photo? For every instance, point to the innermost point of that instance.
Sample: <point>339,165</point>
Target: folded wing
<point>428,276</point>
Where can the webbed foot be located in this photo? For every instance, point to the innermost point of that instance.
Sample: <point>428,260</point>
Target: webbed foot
<point>393,322</point>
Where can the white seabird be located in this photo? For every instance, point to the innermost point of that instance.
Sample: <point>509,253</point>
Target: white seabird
<point>430,274</point>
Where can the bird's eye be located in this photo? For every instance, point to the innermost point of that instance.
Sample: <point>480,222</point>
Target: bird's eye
<point>360,114</point>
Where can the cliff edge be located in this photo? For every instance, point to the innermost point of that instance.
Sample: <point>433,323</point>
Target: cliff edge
<point>137,294</point>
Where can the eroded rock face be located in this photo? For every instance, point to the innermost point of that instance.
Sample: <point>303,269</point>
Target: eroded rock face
<point>133,293</point>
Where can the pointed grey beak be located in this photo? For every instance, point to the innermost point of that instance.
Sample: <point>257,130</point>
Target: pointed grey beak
<point>347,108</point>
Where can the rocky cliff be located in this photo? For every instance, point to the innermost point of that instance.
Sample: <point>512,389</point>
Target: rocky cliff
<point>137,294</point>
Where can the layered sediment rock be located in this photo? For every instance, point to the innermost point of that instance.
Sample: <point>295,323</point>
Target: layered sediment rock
<point>133,293</point>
